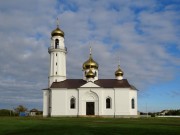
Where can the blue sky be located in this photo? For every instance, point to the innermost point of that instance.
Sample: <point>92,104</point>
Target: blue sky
<point>144,35</point>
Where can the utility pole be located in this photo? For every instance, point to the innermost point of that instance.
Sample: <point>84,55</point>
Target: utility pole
<point>146,111</point>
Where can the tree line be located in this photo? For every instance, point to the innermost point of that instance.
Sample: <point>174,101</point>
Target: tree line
<point>14,112</point>
<point>173,112</point>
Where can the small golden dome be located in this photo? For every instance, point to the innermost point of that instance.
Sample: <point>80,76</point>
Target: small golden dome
<point>119,72</point>
<point>57,32</point>
<point>90,74</point>
<point>90,63</point>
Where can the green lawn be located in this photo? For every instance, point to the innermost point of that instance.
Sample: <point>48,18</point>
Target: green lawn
<point>89,126</point>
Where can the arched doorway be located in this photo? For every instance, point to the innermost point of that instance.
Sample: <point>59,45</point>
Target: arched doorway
<point>90,110</point>
<point>91,103</point>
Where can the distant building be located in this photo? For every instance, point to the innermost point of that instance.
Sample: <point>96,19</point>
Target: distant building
<point>33,112</point>
<point>89,95</point>
<point>164,112</point>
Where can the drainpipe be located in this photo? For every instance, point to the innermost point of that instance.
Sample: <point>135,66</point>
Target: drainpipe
<point>114,105</point>
<point>49,111</point>
<point>78,104</point>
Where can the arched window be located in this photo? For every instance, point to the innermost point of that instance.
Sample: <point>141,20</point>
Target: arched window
<point>72,103</point>
<point>57,43</point>
<point>95,73</point>
<point>132,103</point>
<point>108,103</point>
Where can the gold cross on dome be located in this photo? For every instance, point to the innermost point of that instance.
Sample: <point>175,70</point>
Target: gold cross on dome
<point>119,61</point>
<point>57,22</point>
<point>90,50</point>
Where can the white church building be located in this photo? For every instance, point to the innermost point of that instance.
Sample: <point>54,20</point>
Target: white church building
<point>89,96</point>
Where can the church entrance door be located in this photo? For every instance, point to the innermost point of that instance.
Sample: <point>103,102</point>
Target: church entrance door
<point>89,108</point>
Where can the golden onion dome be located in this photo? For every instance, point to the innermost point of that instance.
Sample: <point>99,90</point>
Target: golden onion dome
<point>90,63</point>
<point>90,74</point>
<point>119,72</point>
<point>57,32</point>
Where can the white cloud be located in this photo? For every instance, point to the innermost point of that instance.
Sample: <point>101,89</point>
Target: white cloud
<point>135,31</point>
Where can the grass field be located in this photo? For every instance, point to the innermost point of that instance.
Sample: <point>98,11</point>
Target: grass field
<point>88,126</point>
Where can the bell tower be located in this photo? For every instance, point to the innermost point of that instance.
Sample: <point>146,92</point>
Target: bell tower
<point>57,51</point>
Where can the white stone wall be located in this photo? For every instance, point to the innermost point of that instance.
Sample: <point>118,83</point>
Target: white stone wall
<point>45,103</point>
<point>72,94</point>
<point>133,95</point>
<point>120,101</point>
<point>59,102</point>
